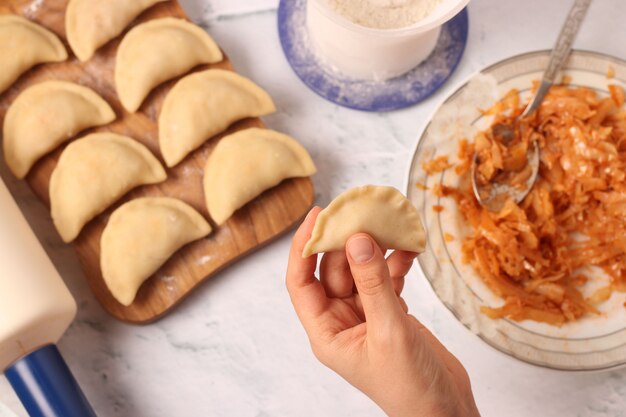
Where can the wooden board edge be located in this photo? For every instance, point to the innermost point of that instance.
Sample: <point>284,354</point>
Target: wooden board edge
<point>217,271</point>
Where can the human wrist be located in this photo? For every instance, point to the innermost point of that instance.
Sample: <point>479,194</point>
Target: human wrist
<point>419,409</point>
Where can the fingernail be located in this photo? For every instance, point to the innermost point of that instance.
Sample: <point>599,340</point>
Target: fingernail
<point>310,213</point>
<point>361,249</point>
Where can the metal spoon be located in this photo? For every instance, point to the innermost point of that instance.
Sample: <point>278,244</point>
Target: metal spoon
<point>500,192</point>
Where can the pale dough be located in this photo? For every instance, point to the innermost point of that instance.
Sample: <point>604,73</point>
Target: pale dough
<point>248,162</point>
<point>156,51</point>
<point>204,104</point>
<point>24,44</point>
<point>93,173</point>
<point>89,24</point>
<point>44,116</point>
<point>382,212</point>
<point>140,237</point>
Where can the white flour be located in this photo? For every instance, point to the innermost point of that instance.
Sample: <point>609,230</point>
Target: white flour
<point>384,14</point>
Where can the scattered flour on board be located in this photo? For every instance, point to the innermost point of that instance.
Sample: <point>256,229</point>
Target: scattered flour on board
<point>33,8</point>
<point>204,260</point>
<point>191,171</point>
<point>169,282</point>
<point>384,14</point>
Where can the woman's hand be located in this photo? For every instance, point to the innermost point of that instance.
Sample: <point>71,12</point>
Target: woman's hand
<point>358,326</point>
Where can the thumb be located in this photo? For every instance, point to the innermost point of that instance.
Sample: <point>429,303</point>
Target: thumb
<point>371,276</point>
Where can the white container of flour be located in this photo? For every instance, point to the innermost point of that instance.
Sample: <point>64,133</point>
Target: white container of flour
<point>372,53</point>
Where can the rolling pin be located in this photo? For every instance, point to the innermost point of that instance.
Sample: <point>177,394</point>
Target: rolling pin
<point>36,308</point>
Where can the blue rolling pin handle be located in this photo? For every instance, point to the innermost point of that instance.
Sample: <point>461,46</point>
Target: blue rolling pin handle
<point>46,386</point>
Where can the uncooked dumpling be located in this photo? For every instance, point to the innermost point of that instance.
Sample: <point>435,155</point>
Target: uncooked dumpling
<point>140,237</point>
<point>24,44</point>
<point>90,24</point>
<point>156,51</point>
<point>382,212</point>
<point>44,116</point>
<point>93,173</point>
<point>248,162</point>
<point>204,104</point>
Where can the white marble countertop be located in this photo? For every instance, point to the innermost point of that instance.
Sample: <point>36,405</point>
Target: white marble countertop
<point>235,348</point>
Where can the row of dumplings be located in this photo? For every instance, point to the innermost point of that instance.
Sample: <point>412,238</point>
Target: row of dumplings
<point>97,170</point>
<point>149,54</point>
<point>198,107</point>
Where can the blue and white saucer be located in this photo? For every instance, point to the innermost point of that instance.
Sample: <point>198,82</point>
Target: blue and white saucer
<point>397,93</point>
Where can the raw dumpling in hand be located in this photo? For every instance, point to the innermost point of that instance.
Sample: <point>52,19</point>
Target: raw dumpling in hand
<point>93,173</point>
<point>90,24</point>
<point>204,104</point>
<point>24,44</point>
<point>44,116</point>
<point>157,51</point>
<point>382,212</point>
<point>248,162</point>
<point>140,237</point>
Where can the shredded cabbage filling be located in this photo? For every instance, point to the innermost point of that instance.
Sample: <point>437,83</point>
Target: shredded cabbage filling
<point>535,255</point>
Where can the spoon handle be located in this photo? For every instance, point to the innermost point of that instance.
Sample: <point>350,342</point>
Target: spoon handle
<point>559,54</point>
<point>563,45</point>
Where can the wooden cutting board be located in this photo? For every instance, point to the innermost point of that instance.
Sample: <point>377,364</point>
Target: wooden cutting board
<point>256,224</point>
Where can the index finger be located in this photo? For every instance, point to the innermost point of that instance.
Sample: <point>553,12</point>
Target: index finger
<point>399,263</point>
<point>307,293</point>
